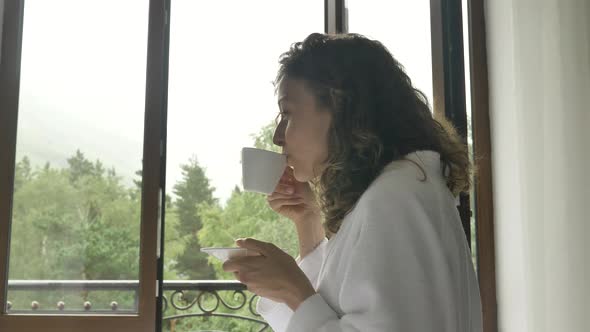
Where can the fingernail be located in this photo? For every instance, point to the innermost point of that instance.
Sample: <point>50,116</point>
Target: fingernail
<point>290,190</point>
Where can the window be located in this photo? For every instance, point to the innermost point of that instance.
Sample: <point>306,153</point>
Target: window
<point>76,208</point>
<point>405,33</point>
<point>81,167</point>
<point>82,221</point>
<point>220,99</point>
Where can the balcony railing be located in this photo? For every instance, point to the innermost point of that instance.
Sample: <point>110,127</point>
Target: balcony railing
<point>187,298</point>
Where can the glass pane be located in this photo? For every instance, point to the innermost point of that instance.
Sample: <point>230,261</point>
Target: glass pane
<point>404,28</point>
<point>76,214</point>
<point>223,58</point>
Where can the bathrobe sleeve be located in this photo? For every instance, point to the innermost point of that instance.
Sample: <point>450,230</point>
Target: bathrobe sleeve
<point>279,314</point>
<point>396,280</point>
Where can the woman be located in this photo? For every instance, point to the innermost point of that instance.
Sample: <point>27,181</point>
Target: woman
<point>368,161</point>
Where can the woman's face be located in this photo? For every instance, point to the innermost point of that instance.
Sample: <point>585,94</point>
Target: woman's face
<point>302,130</point>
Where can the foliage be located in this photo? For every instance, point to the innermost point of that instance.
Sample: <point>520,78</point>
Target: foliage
<point>263,139</point>
<point>74,223</point>
<point>192,190</point>
<point>82,223</point>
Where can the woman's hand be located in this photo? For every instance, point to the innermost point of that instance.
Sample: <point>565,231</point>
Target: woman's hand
<point>294,200</point>
<point>274,274</point>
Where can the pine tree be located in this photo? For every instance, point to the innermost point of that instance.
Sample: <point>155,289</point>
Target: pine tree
<point>79,166</point>
<point>194,189</point>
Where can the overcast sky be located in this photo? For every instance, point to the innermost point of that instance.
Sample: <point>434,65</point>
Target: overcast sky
<point>83,74</point>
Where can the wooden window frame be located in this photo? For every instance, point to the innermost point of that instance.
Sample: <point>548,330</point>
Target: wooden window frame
<point>484,202</point>
<point>335,16</point>
<point>145,320</point>
<point>449,100</point>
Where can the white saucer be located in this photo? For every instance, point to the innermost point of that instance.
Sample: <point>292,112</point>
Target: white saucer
<point>226,253</point>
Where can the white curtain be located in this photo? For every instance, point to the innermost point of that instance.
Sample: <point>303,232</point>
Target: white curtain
<point>539,76</point>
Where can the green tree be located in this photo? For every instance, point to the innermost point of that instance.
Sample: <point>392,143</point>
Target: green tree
<point>192,190</point>
<point>45,216</point>
<point>73,223</point>
<point>263,139</point>
<point>174,244</point>
<point>79,166</point>
<point>23,173</point>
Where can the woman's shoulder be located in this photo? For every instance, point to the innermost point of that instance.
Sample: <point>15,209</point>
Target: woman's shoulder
<point>412,185</point>
<point>409,184</point>
<point>417,172</point>
<point>416,180</point>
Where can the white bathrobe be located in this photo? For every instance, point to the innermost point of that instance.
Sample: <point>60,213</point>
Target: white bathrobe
<point>399,263</point>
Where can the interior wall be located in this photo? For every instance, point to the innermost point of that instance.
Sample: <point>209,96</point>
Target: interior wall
<point>539,79</point>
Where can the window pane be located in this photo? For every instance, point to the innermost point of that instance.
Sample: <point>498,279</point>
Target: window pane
<point>223,58</point>
<point>76,211</point>
<point>404,28</point>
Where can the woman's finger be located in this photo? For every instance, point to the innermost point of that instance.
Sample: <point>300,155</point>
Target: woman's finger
<point>284,189</point>
<point>276,196</point>
<point>265,248</point>
<point>231,266</point>
<point>288,176</point>
<point>289,172</point>
<point>243,263</point>
<point>278,203</point>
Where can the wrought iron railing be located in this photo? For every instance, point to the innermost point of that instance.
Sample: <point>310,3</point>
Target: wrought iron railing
<point>188,298</point>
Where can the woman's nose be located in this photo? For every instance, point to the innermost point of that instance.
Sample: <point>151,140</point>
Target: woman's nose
<point>279,136</point>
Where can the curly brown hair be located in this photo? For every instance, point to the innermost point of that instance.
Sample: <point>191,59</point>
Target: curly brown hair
<point>377,117</point>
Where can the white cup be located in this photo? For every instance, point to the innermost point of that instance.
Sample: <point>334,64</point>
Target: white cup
<point>262,170</point>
